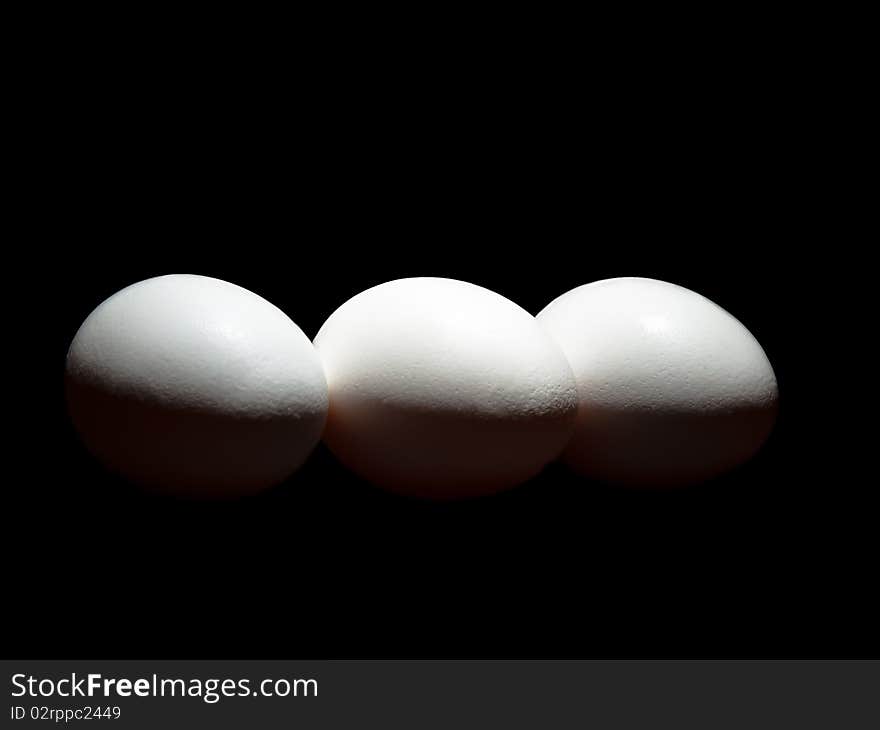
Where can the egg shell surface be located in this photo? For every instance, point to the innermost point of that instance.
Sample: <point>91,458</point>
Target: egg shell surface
<point>443,389</point>
<point>195,386</point>
<point>672,389</point>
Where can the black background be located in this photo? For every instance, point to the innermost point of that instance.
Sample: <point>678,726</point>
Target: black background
<point>529,170</point>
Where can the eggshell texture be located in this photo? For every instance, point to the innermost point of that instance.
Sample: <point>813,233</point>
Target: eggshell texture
<point>195,386</point>
<point>443,389</point>
<point>672,389</point>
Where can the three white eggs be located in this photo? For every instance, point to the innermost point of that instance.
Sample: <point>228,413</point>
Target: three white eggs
<point>437,388</point>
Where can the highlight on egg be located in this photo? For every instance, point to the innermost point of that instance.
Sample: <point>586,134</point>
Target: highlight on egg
<point>443,389</point>
<point>196,387</point>
<point>672,390</point>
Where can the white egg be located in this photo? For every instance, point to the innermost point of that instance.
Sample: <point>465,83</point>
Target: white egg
<point>443,389</point>
<point>195,386</point>
<point>672,389</point>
